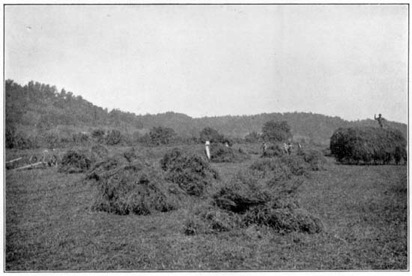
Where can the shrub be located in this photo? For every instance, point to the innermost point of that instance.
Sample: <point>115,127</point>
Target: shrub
<point>135,188</point>
<point>191,172</point>
<point>354,145</point>
<point>75,162</point>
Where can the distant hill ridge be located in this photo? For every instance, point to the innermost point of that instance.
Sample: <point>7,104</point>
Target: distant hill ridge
<point>37,107</point>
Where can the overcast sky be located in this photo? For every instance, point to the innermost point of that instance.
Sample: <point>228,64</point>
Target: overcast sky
<point>348,61</point>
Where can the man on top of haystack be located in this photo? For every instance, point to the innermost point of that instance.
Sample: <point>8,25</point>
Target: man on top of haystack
<point>380,119</point>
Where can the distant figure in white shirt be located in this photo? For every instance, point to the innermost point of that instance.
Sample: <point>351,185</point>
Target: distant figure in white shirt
<point>207,148</point>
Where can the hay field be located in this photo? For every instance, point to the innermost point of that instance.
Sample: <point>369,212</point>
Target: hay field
<point>51,226</point>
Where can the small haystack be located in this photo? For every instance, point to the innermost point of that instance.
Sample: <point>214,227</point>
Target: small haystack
<point>224,154</point>
<point>273,150</point>
<point>191,172</point>
<point>99,152</point>
<point>315,159</point>
<point>135,188</point>
<point>75,161</point>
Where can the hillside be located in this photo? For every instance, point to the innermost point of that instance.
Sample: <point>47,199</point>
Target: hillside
<point>35,108</point>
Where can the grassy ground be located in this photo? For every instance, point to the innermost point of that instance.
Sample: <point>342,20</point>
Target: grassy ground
<point>50,226</point>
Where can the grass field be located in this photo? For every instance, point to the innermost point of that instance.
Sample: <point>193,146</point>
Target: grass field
<point>50,226</point>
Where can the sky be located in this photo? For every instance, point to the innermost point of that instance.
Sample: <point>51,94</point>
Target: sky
<point>349,61</point>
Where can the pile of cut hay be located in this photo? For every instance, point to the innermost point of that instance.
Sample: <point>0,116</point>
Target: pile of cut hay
<point>315,159</point>
<point>209,219</point>
<point>263,195</point>
<point>219,153</point>
<point>191,172</point>
<point>99,152</point>
<point>273,150</point>
<point>75,161</point>
<point>284,220</point>
<point>134,188</point>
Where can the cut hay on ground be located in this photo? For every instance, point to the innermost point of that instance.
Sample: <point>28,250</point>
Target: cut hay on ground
<point>135,188</point>
<point>207,219</point>
<point>284,220</point>
<point>191,172</point>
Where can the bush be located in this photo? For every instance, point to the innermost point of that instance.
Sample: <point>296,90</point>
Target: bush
<point>136,188</point>
<point>367,144</point>
<point>191,172</point>
<point>75,162</point>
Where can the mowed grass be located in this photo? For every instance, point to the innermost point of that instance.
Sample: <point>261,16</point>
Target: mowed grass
<point>50,226</point>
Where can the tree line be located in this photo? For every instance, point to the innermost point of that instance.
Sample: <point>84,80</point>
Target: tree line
<point>37,110</point>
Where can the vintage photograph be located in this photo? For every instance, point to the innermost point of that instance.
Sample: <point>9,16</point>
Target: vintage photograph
<point>218,137</point>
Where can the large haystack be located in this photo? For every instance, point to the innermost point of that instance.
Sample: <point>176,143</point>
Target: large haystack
<point>191,172</point>
<point>368,144</point>
<point>135,188</point>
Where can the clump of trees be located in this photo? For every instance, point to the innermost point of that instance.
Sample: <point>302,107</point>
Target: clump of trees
<point>273,131</point>
<point>367,145</point>
<point>212,135</point>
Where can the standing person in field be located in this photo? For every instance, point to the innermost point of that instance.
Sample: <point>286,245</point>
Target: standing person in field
<point>207,149</point>
<point>264,148</point>
<point>380,119</point>
<point>289,148</point>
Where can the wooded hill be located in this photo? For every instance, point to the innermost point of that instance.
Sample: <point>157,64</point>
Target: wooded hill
<point>35,108</point>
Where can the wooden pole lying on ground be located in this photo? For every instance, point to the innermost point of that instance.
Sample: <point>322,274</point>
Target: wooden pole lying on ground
<point>14,160</point>
<point>30,166</point>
